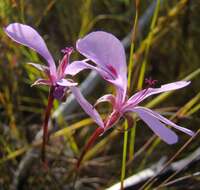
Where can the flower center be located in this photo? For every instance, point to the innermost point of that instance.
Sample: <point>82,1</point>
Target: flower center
<point>150,83</point>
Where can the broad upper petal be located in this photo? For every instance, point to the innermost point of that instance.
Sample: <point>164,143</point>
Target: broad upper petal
<point>108,53</point>
<point>87,107</point>
<point>29,37</point>
<point>143,94</point>
<point>156,126</point>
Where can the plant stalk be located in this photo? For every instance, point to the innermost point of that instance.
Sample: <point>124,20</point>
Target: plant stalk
<point>90,142</point>
<point>46,121</point>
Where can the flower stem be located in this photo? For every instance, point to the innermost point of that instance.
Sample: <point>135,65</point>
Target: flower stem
<point>46,121</point>
<point>90,142</point>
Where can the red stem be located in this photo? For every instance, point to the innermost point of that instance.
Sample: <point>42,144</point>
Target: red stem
<point>46,121</point>
<point>90,142</point>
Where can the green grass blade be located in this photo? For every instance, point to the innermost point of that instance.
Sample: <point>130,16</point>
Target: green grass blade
<point>123,169</point>
<point>148,44</point>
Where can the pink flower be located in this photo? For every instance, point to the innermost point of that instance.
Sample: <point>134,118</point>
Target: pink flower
<point>27,36</point>
<point>108,55</point>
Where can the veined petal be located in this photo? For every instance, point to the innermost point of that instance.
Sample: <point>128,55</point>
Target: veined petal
<point>86,106</point>
<point>77,66</point>
<point>166,121</point>
<point>29,37</point>
<point>169,87</point>
<point>143,94</point>
<point>107,52</point>
<point>156,126</point>
<point>42,82</point>
<point>120,94</point>
<point>65,82</point>
<point>106,98</point>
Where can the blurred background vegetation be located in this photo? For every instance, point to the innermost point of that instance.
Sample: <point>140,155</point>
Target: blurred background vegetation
<point>173,55</point>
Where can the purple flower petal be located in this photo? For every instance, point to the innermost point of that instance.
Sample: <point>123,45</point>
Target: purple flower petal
<point>42,82</point>
<point>29,37</point>
<point>169,87</point>
<point>108,53</point>
<point>40,67</point>
<point>156,126</point>
<point>143,94</point>
<point>87,107</point>
<point>106,98</point>
<point>65,82</point>
<point>77,66</point>
<point>120,97</point>
<point>167,121</point>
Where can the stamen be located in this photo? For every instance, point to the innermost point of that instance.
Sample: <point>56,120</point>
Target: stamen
<point>150,82</point>
<point>67,50</point>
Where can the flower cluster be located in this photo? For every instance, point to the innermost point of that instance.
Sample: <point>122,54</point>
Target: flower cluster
<point>108,55</point>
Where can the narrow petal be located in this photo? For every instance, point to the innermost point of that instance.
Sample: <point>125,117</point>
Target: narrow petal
<point>64,62</point>
<point>29,37</point>
<point>143,94</point>
<point>168,87</point>
<point>65,82</point>
<point>108,53</point>
<point>42,82</point>
<point>40,67</point>
<point>106,98</point>
<point>77,66</point>
<point>120,97</point>
<point>156,126</point>
<point>167,121</point>
<point>87,107</point>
